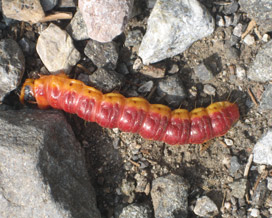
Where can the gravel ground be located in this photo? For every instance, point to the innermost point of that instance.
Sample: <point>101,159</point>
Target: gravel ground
<point>126,165</point>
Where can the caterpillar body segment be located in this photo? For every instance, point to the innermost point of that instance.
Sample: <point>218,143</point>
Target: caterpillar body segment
<point>135,114</point>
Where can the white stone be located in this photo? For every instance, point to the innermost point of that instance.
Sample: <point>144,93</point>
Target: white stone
<point>56,50</point>
<point>172,27</point>
<point>205,207</point>
<point>263,149</point>
<point>240,72</point>
<point>105,19</point>
<point>255,212</point>
<point>237,31</point>
<point>269,183</point>
<point>249,40</point>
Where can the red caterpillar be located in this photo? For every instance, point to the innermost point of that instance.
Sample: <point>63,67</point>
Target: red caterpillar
<point>151,121</point>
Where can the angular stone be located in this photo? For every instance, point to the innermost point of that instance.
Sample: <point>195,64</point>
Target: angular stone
<point>12,66</point>
<point>205,207</point>
<point>260,11</point>
<point>56,50</point>
<point>106,80</point>
<point>262,152</point>
<point>102,54</point>
<point>170,197</point>
<point>203,73</point>
<point>261,69</point>
<point>77,27</point>
<point>28,10</point>
<point>133,38</point>
<point>136,211</point>
<point>172,90</point>
<point>239,188</point>
<point>43,173</point>
<point>105,19</point>
<point>187,21</point>
<point>266,101</point>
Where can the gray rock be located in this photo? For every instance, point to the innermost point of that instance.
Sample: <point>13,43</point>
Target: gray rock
<point>48,5</point>
<point>122,68</point>
<point>56,50</point>
<point>133,38</point>
<point>28,11</point>
<point>105,19</point>
<point>187,21</point>
<point>172,90</point>
<point>261,69</point>
<point>27,46</point>
<point>234,165</point>
<point>260,194</point>
<point>266,101</point>
<point>146,87</point>
<point>231,8</point>
<point>77,27</point>
<point>260,11</point>
<point>205,207</point>
<point>42,169</point>
<point>12,66</point>
<point>238,30</point>
<point>106,80</point>
<point>249,40</point>
<point>209,89</point>
<point>238,188</point>
<point>102,54</point>
<point>173,69</point>
<point>240,72</point>
<point>169,196</point>
<point>203,73</point>
<point>136,211</point>
<point>151,3</point>
<point>262,152</point>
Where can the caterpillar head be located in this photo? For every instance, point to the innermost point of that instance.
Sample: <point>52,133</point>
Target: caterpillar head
<point>27,92</point>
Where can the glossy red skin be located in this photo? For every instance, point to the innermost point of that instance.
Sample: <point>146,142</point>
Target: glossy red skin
<point>148,124</point>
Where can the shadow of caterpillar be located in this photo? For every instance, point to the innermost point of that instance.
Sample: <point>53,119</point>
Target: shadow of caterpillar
<point>135,114</point>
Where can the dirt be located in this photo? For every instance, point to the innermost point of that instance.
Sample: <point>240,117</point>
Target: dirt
<point>114,156</point>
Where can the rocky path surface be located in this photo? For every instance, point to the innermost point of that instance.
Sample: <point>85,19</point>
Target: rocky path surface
<point>183,53</point>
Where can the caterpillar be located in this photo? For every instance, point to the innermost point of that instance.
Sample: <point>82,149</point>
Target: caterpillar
<point>134,114</point>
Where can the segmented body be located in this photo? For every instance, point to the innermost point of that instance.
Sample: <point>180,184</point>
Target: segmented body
<point>135,114</point>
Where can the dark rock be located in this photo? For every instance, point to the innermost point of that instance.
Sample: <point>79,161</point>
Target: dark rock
<point>42,167</point>
<point>170,197</point>
<point>102,54</point>
<point>27,46</point>
<point>106,80</point>
<point>260,194</point>
<point>48,5</point>
<point>77,27</point>
<point>12,66</point>
<point>172,90</point>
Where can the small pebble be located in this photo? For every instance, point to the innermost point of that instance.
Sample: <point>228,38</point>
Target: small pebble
<point>237,31</point>
<point>174,69</point>
<point>249,40</point>
<point>269,183</point>
<point>209,90</point>
<point>240,72</point>
<point>219,21</point>
<point>227,205</point>
<point>146,87</point>
<point>205,207</point>
<point>229,142</point>
<point>228,21</point>
<point>255,212</point>
<point>234,165</point>
<point>265,37</point>
<point>203,73</point>
<point>137,64</point>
